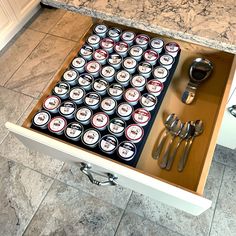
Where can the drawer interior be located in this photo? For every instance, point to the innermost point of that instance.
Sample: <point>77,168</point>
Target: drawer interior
<point>208,106</point>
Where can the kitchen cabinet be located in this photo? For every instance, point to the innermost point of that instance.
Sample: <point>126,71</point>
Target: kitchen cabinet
<point>183,190</point>
<point>13,15</point>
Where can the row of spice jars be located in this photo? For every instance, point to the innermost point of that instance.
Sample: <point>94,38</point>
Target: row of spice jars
<point>115,35</point>
<point>92,61</point>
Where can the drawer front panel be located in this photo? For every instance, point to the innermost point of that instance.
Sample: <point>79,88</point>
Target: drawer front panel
<point>126,177</point>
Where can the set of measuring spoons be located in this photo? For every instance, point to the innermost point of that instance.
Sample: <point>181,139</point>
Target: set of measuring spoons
<point>174,128</point>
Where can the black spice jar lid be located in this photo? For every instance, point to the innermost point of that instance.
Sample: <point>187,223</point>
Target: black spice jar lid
<point>126,150</point>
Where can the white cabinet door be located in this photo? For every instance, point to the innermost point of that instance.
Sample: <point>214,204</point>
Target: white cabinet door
<point>22,8</point>
<point>7,22</point>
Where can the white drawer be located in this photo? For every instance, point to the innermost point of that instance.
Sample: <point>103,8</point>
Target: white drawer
<point>181,190</point>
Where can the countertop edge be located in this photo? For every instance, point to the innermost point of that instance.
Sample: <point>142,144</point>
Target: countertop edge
<point>142,26</point>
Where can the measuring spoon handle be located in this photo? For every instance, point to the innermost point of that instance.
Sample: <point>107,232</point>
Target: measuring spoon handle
<point>157,153</point>
<point>184,158</point>
<point>172,157</point>
<point>166,155</point>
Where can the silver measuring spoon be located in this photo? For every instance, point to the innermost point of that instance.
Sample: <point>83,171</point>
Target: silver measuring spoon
<point>198,129</point>
<point>174,131</point>
<point>199,71</point>
<point>168,122</point>
<point>182,135</point>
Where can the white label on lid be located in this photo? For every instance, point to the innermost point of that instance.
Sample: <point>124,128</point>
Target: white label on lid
<point>93,67</point>
<point>126,150</point>
<point>136,51</point>
<point>130,63</point>
<point>74,130</point>
<point>160,72</point>
<point>154,86</point>
<point>172,47</point>
<point>123,76</point>
<point>41,118</point>
<point>92,99</point>
<point>157,43</point>
<point>141,115</point>
<point>142,39</point>
<point>76,93</point>
<point>91,137</point>
<point>78,62</point>
<point>108,143</point>
<point>108,104</point>
<point>100,29</point>
<point>166,59</point>
<point>148,100</point>
<point>86,50</point>
<point>85,80</point>
<point>115,59</point>
<point>83,114</point>
<point>100,120</point>
<point>151,55</point>
<point>57,124</point>
<point>100,85</point>
<point>128,36</point>
<point>61,88</point>
<point>93,39</point>
<point>51,103</point>
<point>107,43</point>
<point>138,81</point>
<point>117,126</point>
<point>145,67</point>
<point>132,94</point>
<point>134,132</point>
<point>108,71</point>
<point>67,108</point>
<point>70,75</point>
<point>115,90</point>
<point>114,32</point>
<point>100,54</point>
<point>124,109</point>
<point>121,47</point>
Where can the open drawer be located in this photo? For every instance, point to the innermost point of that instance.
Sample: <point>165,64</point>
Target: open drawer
<point>182,190</point>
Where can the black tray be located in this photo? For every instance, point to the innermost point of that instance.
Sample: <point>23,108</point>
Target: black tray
<point>147,128</point>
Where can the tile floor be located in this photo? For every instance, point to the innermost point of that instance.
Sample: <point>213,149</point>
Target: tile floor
<point>43,196</point>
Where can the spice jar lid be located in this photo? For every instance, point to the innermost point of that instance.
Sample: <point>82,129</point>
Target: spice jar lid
<point>123,76</point>
<point>100,120</point>
<point>124,109</point>
<point>151,55</point>
<point>78,62</point>
<point>160,72</point>
<point>57,124</point>
<point>85,80</point>
<point>166,60</point>
<point>154,86</point>
<point>41,118</point>
<point>128,36</point>
<point>148,100</point>
<point>156,43</point>
<point>141,116</point>
<point>132,95</point>
<point>61,88</point>
<point>92,67</point>
<point>138,81</point>
<point>108,104</point>
<point>86,50</point>
<point>51,103</point>
<point>117,126</point>
<point>115,90</point>
<point>108,143</point>
<point>67,108</point>
<point>74,130</point>
<point>91,137</point>
<point>100,29</point>
<point>93,39</point>
<point>70,75</point>
<point>107,43</point>
<point>92,99</point>
<point>144,67</point>
<point>108,71</point>
<point>129,63</point>
<point>114,32</point>
<point>121,47</point>
<point>77,93</point>
<point>136,51</point>
<point>100,54</point>
<point>100,85</point>
<point>172,47</point>
<point>142,39</point>
<point>83,114</point>
<point>115,59</point>
<point>134,132</point>
<point>126,150</point>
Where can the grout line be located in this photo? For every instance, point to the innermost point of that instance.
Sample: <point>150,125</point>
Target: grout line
<point>20,93</point>
<point>17,69</point>
<point>213,216</point>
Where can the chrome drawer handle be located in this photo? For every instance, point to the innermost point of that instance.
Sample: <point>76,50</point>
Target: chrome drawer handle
<point>232,110</point>
<point>86,169</point>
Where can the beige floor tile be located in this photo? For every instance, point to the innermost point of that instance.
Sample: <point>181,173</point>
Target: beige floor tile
<point>40,66</point>
<point>22,191</point>
<point>12,106</point>
<point>46,19</point>
<point>18,51</point>
<point>71,26</point>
